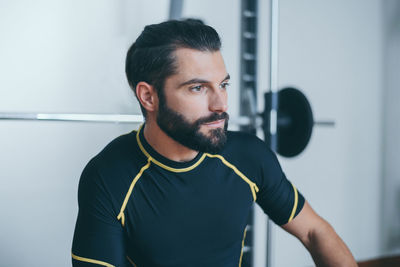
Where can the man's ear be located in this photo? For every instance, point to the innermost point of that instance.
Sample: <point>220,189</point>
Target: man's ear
<point>147,96</point>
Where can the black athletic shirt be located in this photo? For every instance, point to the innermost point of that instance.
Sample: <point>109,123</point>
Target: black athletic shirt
<point>138,208</point>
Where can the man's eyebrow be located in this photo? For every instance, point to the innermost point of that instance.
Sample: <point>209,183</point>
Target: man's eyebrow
<point>228,77</point>
<point>196,80</point>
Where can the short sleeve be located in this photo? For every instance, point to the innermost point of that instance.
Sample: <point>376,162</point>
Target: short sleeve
<point>277,196</point>
<point>98,237</point>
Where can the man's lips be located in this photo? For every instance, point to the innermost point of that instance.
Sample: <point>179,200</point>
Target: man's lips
<point>215,124</point>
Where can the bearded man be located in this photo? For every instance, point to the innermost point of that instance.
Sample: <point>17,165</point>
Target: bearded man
<point>178,192</point>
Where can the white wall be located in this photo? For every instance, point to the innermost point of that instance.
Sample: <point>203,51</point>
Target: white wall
<point>68,56</point>
<point>332,50</point>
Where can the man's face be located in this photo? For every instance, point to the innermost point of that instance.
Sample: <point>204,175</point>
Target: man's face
<point>193,104</point>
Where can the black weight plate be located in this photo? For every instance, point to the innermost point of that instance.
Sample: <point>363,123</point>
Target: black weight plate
<point>295,122</point>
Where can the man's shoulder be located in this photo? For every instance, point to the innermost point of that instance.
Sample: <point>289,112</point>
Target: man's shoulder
<point>114,166</point>
<point>119,145</point>
<point>242,139</point>
<point>246,146</point>
<point>122,152</point>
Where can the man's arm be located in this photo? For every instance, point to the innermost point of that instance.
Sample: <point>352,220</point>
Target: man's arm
<point>99,236</point>
<point>318,236</point>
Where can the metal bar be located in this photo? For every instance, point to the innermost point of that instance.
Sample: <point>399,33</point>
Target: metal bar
<point>248,56</point>
<point>256,122</point>
<point>175,9</point>
<point>325,123</point>
<point>273,79</point>
<point>249,14</point>
<point>111,118</point>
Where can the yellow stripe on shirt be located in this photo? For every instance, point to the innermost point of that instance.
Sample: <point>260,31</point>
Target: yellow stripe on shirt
<point>121,215</point>
<point>296,200</point>
<point>156,162</point>
<point>253,186</point>
<point>102,263</point>
<point>241,251</point>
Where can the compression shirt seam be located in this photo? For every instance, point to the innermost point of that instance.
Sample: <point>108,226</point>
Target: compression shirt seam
<point>241,251</point>
<point>156,162</point>
<point>79,258</point>
<point>253,186</point>
<point>296,200</point>
<point>121,215</point>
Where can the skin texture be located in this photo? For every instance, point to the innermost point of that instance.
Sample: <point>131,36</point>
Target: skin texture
<point>205,95</point>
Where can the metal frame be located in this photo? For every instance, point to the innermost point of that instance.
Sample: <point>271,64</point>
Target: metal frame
<point>248,93</point>
<point>112,118</point>
<point>248,60</point>
<point>175,9</point>
<point>272,139</point>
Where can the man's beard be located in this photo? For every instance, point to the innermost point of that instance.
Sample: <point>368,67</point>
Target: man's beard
<point>176,126</point>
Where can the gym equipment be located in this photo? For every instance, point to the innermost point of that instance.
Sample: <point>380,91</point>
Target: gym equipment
<point>295,120</point>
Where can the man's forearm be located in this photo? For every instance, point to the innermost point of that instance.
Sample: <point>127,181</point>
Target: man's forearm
<point>327,248</point>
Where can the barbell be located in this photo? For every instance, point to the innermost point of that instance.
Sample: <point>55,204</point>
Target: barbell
<point>294,122</point>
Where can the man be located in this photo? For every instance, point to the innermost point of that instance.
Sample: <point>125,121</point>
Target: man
<point>178,191</point>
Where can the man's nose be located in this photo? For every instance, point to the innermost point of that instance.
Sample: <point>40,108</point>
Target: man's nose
<point>218,101</point>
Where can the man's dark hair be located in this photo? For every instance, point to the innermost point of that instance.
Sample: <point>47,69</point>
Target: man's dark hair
<point>151,57</point>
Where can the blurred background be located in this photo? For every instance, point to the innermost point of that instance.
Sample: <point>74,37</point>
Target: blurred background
<point>68,57</point>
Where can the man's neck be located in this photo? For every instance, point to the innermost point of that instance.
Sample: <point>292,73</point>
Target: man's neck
<point>165,145</point>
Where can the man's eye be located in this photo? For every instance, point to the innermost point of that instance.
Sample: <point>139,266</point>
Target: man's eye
<point>196,88</point>
<point>224,85</point>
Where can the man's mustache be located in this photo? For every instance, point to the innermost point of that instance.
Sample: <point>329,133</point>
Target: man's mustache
<point>213,117</point>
